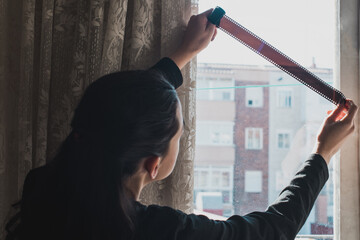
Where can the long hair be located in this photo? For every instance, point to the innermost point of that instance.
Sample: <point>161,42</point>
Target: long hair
<point>121,119</point>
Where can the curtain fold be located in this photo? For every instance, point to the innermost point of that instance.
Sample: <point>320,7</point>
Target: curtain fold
<point>177,190</point>
<point>50,51</point>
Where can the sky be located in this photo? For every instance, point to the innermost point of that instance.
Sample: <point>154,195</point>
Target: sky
<point>302,29</point>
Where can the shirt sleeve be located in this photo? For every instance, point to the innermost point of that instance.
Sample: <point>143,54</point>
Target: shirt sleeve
<point>170,70</point>
<point>281,221</point>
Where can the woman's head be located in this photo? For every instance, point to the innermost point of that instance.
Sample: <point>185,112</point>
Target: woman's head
<point>134,114</point>
<point>122,119</point>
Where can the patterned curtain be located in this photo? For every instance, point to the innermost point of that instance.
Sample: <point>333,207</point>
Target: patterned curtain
<point>51,50</point>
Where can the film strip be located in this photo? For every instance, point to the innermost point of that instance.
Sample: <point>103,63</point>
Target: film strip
<point>273,55</point>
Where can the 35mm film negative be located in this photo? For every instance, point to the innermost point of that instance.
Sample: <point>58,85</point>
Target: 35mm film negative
<point>274,56</point>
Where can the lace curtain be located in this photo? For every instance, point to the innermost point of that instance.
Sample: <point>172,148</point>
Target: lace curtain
<point>50,51</point>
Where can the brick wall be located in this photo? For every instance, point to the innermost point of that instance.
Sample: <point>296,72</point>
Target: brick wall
<point>247,159</point>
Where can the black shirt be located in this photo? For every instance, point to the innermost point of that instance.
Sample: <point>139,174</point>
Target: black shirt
<point>282,220</point>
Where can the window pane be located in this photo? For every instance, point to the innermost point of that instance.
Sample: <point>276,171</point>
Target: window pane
<point>215,133</point>
<point>284,97</point>
<point>216,179</point>
<point>226,179</point>
<point>254,97</point>
<point>257,125</point>
<point>253,138</point>
<point>283,140</point>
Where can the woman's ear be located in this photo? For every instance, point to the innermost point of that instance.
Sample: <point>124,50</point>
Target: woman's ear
<point>152,166</point>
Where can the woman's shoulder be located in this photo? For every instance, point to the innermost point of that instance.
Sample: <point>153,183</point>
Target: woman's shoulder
<point>37,179</point>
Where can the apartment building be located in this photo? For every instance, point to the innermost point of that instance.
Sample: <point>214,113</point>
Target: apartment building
<point>255,127</point>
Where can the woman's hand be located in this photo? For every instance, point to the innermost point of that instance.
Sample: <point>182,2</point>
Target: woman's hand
<point>334,132</point>
<point>198,35</point>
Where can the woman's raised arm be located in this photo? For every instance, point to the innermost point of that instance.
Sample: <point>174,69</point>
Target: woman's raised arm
<point>198,35</point>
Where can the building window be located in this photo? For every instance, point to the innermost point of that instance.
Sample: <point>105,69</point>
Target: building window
<point>215,133</point>
<point>225,179</point>
<point>222,89</point>
<point>202,84</point>
<point>215,179</point>
<point>283,140</point>
<point>253,181</point>
<point>253,138</point>
<point>201,178</point>
<point>254,97</point>
<point>226,96</point>
<point>215,89</point>
<point>284,98</point>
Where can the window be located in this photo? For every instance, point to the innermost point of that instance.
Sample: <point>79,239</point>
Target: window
<point>253,138</point>
<point>283,151</point>
<point>203,178</point>
<point>215,182</point>
<point>215,89</point>
<point>215,133</point>
<point>213,177</point>
<point>203,83</point>
<point>283,140</point>
<point>253,181</point>
<point>225,179</point>
<point>216,179</point>
<point>222,89</point>
<point>226,95</point>
<point>254,97</point>
<point>284,98</point>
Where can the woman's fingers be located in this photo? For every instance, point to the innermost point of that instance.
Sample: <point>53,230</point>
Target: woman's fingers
<point>207,12</point>
<point>335,114</point>
<point>343,112</point>
<point>334,131</point>
<point>198,34</point>
<point>214,35</point>
<point>352,111</point>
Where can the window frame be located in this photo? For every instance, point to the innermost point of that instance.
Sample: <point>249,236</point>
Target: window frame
<point>261,97</point>
<point>284,89</point>
<point>247,136</point>
<point>210,125</point>
<point>209,187</point>
<point>281,131</point>
<point>346,169</point>
<point>211,84</point>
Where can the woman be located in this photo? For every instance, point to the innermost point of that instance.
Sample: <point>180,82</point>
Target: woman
<point>126,132</point>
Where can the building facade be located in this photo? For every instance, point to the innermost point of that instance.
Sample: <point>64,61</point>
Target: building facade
<point>255,127</point>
